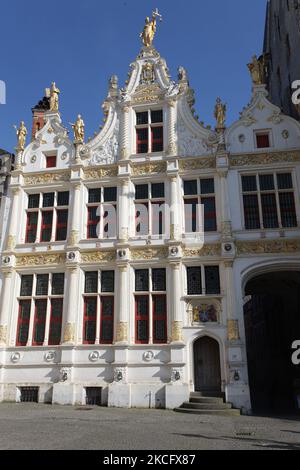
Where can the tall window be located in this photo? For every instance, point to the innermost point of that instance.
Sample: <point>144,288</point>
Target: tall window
<point>150,209</point>
<point>203,280</point>
<point>196,193</point>
<point>98,315</point>
<point>269,201</point>
<point>149,131</point>
<point>150,306</point>
<point>102,212</point>
<point>47,217</point>
<point>40,309</point>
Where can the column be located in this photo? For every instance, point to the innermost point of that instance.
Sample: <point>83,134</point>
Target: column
<point>72,306</point>
<point>124,133</point>
<point>225,209</point>
<point>176,316</point>
<point>75,220</point>
<point>122,306</point>
<point>5,307</point>
<point>174,212</point>
<point>232,322</point>
<point>11,240</point>
<point>123,211</point>
<point>172,148</point>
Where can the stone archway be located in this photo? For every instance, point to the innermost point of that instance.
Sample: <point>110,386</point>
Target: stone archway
<point>272,323</point>
<point>207,368</point>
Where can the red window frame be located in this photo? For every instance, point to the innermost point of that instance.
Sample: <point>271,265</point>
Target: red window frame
<point>55,320</point>
<point>262,141</point>
<point>92,222</point>
<point>159,317</point>
<point>61,225</point>
<point>157,140</point>
<point>106,318</point>
<point>31,227</point>
<point>50,161</point>
<point>22,322</point>
<point>46,226</point>
<point>140,317</point>
<point>87,318</point>
<point>39,321</point>
<point>140,141</point>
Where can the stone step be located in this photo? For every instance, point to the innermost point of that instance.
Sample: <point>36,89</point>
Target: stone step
<point>207,406</point>
<point>228,412</point>
<point>206,400</point>
<point>207,394</point>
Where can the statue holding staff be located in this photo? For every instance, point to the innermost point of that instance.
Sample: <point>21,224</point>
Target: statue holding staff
<point>150,28</point>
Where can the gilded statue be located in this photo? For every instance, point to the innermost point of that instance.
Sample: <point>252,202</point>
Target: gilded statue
<point>21,134</point>
<point>150,29</point>
<point>78,129</point>
<point>257,69</point>
<point>220,114</point>
<point>54,92</point>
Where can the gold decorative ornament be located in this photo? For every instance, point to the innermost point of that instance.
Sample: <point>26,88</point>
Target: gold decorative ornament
<point>264,159</point>
<point>54,92</point>
<point>122,332</point>
<point>78,129</point>
<point>21,135</point>
<point>213,249</point>
<point>149,253</point>
<point>149,169</point>
<point>46,178</point>
<point>268,246</point>
<point>69,333</point>
<point>98,256</point>
<point>233,330</point>
<point>3,334</point>
<point>220,114</point>
<point>95,174</point>
<point>40,260</point>
<point>176,332</point>
<point>147,94</point>
<point>257,69</point>
<point>150,29</point>
<point>196,164</point>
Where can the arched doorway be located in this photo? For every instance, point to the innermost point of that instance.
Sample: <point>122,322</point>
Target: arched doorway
<point>272,323</point>
<point>207,371</point>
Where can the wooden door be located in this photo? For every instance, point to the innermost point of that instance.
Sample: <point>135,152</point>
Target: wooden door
<point>207,365</point>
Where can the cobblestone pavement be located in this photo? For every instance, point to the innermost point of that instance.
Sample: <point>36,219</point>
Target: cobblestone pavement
<point>33,426</point>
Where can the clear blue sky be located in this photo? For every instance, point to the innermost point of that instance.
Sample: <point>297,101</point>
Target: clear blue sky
<point>80,44</point>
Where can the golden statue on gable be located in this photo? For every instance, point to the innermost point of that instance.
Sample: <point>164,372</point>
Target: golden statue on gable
<point>78,129</point>
<point>257,69</point>
<point>150,28</point>
<point>220,114</point>
<point>21,135</point>
<point>53,93</point>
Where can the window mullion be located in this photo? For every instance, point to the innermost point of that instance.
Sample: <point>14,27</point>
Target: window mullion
<point>203,283</point>
<point>47,322</point>
<point>39,225</point>
<point>32,313</point>
<point>277,200</point>
<point>261,219</point>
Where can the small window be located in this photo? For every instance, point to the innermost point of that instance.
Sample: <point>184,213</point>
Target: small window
<point>249,183</point>
<point>107,281</point>
<point>58,281</point>
<point>48,200</point>
<point>29,394</point>
<point>157,190</point>
<point>26,285</point>
<point>142,118</point>
<point>33,201</point>
<point>94,195</point>
<point>266,182</point>
<point>63,198</point>
<point>141,280</point>
<point>50,161</point>
<point>42,284</point>
<point>194,283</point>
<point>158,280</point>
<point>141,191</point>
<point>284,181</point>
<point>190,188</point>
<point>157,139</point>
<point>91,282</point>
<point>156,116</point>
<point>93,396</point>
<point>207,186</point>
<point>110,194</point>
<point>212,280</point>
<point>142,140</point>
<point>262,141</point>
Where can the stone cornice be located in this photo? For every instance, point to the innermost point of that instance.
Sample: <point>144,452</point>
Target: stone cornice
<point>264,158</point>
